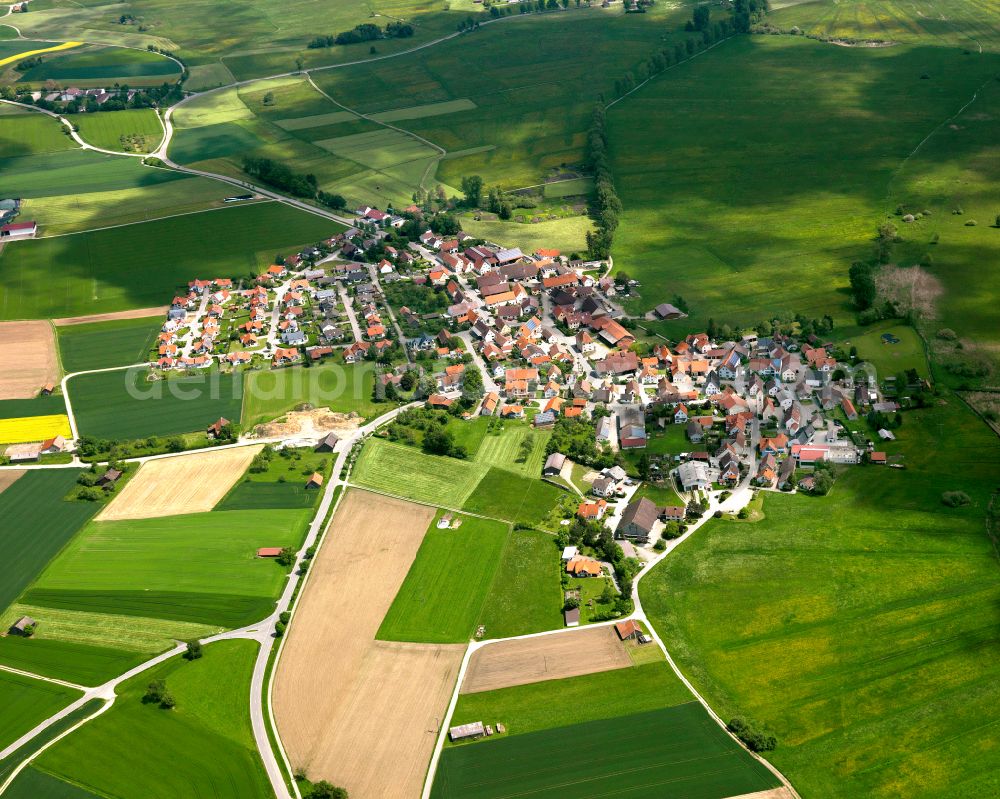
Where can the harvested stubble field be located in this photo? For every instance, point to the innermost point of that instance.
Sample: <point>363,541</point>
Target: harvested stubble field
<point>27,359</point>
<point>359,712</point>
<point>181,484</point>
<point>546,657</point>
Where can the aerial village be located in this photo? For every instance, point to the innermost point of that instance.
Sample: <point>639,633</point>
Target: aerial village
<point>551,342</point>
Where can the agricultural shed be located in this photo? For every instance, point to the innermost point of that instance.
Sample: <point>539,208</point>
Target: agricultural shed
<point>110,477</point>
<point>554,464</point>
<point>572,617</point>
<point>627,629</point>
<point>328,443</point>
<point>464,732</point>
<point>22,624</point>
<point>315,481</point>
<point>268,552</point>
<point>23,452</point>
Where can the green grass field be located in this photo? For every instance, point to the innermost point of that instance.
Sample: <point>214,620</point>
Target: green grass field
<point>634,755</point>
<point>134,130</point>
<point>100,345</point>
<point>550,704</point>
<point>525,596</point>
<point>342,388</point>
<point>26,702</point>
<point>731,232</point>
<point>34,784</point>
<point>30,133</point>
<point>861,628</point>
<point>66,660</point>
<point>100,66</point>
<point>37,523</point>
<point>568,235</point>
<point>505,495</point>
<point>443,593</point>
<point>409,473</point>
<point>204,746</point>
<point>140,266</point>
<point>200,567</point>
<point>503,449</point>
<point>122,405</point>
<point>42,405</point>
<point>281,485</point>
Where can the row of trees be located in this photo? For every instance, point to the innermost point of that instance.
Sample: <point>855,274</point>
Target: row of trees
<point>605,205</point>
<point>280,176</point>
<point>366,32</point>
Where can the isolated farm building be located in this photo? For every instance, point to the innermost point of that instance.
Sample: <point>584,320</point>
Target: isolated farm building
<point>667,311</point>
<point>215,429</point>
<point>465,732</point>
<point>328,443</point>
<point>315,481</point>
<point>627,629</point>
<point>584,567</point>
<point>554,464</point>
<point>23,452</point>
<point>18,230</point>
<point>47,389</point>
<point>109,478</point>
<point>571,616</point>
<point>53,445</point>
<point>878,457</point>
<point>638,519</point>
<point>23,626</point>
<point>268,552</point>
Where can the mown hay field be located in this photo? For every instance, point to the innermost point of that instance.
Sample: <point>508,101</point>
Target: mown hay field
<point>28,359</point>
<point>181,484</point>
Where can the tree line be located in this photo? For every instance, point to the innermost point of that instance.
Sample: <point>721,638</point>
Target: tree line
<point>279,175</point>
<point>365,32</point>
<point>605,205</point>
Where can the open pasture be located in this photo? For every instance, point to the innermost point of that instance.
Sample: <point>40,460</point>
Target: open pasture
<point>367,718</point>
<point>546,657</point>
<point>409,473</point>
<point>114,342</point>
<point>209,556</point>
<point>673,751</point>
<point>136,130</point>
<point>34,428</point>
<point>447,585</point>
<point>741,237</point>
<point>505,495</point>
<point>138,750</point>
<point>123,405</point>
<point>27,702</point>
<point>28,133</point>
<point>37,523</point>
<point>179,485</point>
<point>861,627</point>
<point>141,265</point>
<point>568,235</point>
<point>343,388</point>
<point>28,359</point>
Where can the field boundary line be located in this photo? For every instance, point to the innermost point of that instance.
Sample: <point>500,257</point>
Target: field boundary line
<point>427,504</point>
<point>53,680</point>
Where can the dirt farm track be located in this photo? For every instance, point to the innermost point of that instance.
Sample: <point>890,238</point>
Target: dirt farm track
<point>362,713</point>
<point>545,657</point>
<point>180,484</point>
<point>27,359</point>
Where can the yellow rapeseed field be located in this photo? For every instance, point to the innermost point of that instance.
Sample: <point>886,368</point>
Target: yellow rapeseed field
<point>33,428</point>
<point>28,54</point>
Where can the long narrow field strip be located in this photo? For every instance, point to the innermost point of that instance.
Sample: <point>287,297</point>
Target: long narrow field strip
<point>427,110</point>
<point>378,149</point>
<point>29,53</point>
<point>181,484</point>
<point>315,121</point>
<point>359,712</point>
<point>27,359</point>
<point>34,428</point>
<point>37,523</point>
<point>407,472</point>
<point>546,657</point>
<point>674,751</point>
<point>135,313</point>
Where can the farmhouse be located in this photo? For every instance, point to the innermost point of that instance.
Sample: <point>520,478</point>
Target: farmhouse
<point>581,566</point>
<point>592,510</point>
<point>638,520</point>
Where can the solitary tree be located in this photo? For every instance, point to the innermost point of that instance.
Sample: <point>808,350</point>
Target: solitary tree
<point>193,650</point>
<point>472,188</point>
